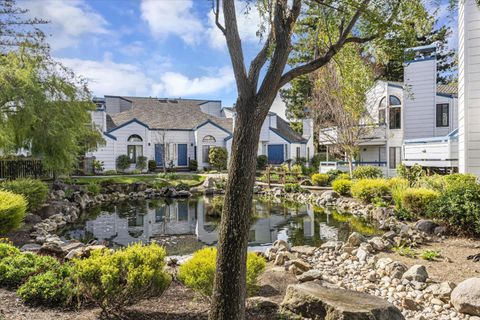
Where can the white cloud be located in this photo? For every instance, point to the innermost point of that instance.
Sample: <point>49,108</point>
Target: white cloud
<point>248,22</point>
<point>108,77</point>
<point>69,20</point>
<point>172,18</point>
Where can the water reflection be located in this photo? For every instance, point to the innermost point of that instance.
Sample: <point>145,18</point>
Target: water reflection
<point>123,224</point>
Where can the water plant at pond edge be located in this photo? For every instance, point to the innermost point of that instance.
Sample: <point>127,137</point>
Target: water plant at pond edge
<point>198,272</point>
<point>357,224</point>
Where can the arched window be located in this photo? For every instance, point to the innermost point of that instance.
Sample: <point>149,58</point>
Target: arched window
<point>209,139</point>
<point>382,115</point>
<point>135,138</point>
<point>394,101</point>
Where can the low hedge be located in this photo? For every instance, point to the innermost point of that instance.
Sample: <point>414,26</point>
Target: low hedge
<point>198,273</point>
<point>367,172</point>
<point>292,188</point>
<point>13,208</point>
<point>370,189</point>
<point>35,191</point>
<point>342,186</point>
<point>320,179</point>
<point>417,201</point>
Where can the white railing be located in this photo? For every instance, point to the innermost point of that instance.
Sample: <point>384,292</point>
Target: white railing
<point>439,152</point>
<point>326,166</point>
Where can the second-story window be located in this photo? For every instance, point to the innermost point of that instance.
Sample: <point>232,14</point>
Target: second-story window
<point>382,115</point>
<point>395,113</point>
<point>442,115</point>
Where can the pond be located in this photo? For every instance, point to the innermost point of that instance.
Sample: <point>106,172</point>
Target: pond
<point>186,225</point>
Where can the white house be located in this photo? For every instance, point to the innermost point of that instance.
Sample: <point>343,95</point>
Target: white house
<point>410,122</point>
<point>184,129</point>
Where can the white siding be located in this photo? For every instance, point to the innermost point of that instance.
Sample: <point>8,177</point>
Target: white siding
<point>206,130</point>
<point>99,119</point>
<point>172,138</point>
<point>213,108</point>
<point>106,153</point>
<point>469,84</point>
<point>419,102</point>
<point>116,104</point>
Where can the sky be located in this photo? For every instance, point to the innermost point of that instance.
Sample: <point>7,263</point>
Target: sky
<point>158,48</point>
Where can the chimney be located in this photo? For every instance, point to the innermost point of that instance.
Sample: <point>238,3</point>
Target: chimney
<point>420,78</point>
<point>307,129</point>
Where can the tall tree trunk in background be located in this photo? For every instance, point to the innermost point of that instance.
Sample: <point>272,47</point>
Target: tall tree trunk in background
<point>230,283</point>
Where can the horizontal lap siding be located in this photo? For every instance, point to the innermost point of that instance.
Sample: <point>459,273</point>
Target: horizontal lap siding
<point>469,87</point>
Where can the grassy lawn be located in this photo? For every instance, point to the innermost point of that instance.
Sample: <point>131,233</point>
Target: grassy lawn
<point>171,179</point>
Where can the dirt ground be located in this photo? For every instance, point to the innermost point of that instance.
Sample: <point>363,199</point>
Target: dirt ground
<point>452,265</point>
<point>177,303</point>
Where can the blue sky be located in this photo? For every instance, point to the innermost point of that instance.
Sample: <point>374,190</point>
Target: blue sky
<point>163,48</point>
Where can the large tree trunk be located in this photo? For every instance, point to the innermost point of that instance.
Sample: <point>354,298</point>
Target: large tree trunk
<point>230,281</point>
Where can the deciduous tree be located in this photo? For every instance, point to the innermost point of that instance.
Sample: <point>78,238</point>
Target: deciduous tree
<point>342,22</point>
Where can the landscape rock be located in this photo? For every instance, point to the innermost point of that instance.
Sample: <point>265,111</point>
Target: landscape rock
<point>261,303</point>
<point>427,226</point>
<point>355,239</point>
<point>307,250</point>
<point>313,301</point>
<point>310,275</point>
<point>466,297</point>
<point>416,273</point>
<point>31,247</point>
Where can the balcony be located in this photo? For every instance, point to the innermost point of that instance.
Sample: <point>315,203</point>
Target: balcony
<point>372,134</point>
<point>438,152</point>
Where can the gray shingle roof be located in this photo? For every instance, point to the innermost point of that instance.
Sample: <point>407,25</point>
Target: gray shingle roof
<point>284,130</point>
<point>447,89</point>
<point>183,114</point>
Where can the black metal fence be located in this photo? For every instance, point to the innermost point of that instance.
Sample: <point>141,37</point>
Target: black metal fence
<point>22,168</point>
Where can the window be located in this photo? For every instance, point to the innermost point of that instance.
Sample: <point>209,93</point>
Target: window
<point>298,152</point>
<point>394,101</point>
<point>394,157</point>
<point>135,138</point>
<point>442,115</point>
<point>395,115</point>
<point>134,152</point>
<point>205,152</point>
<point>382,117</point>
<point>209,139</point>
<point>308,154</point>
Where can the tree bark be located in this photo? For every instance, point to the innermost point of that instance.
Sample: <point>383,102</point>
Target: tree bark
<point>230,281</point>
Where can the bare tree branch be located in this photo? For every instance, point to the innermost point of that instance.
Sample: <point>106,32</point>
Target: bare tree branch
<point>216,12</point>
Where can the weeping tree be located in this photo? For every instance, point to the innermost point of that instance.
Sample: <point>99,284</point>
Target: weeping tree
<point>363,22</point>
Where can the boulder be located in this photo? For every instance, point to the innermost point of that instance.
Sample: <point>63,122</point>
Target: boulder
<point>416,273</point>
<point>332,245</point>
<point>208,183</point>
<point>31,247</point>
<point>313,301</point>
<point>329,196</point>
<point>355,239</point>
<point>281,245</point>
<point>307,250</point>
<point>310,275</point>
<point>466,297</point>
<point>396,269</point>
<point>427,226</point>
<point>261,303</point>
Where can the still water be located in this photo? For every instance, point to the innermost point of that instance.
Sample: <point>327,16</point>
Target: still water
<point>198,217</point>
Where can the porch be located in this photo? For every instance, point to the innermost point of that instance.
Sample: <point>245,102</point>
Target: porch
<point>326,166</point>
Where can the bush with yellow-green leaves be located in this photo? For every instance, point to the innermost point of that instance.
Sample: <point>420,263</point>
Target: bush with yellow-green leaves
<point>13,208</point>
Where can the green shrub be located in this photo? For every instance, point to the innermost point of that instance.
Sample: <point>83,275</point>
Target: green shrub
<point>369,189</point>
<point>182,186</point>
<point>35,191</point>
<point>367,172</point>
<point>198,273</point>
<point>94,188</point>
<point>123,162</point>
<point>334,173</point>
<point>113,280</point>
<point>292,188</point>
<point>320,179</point>
<point>136,171</point>
<point>342,176</point>
<point>141,163</point>
<point>417,200</point>
<point>262,162</point>
<point>458,204</point>
<point>434,182</point>
<point>290,179</point>
<point>15,269</point>
<point>218,157</point>
<point>7,249</point>
<point>152,165</point>
<point>342,186</point>
<point>13,208</point>
<point>412,174</point>
<point>53,287</point>
<point>296,169</point>
<point>301,161</point>
<point>316,159</point>
<point>460,178</point>
<point>192,165</point>
<point>110,172</point>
